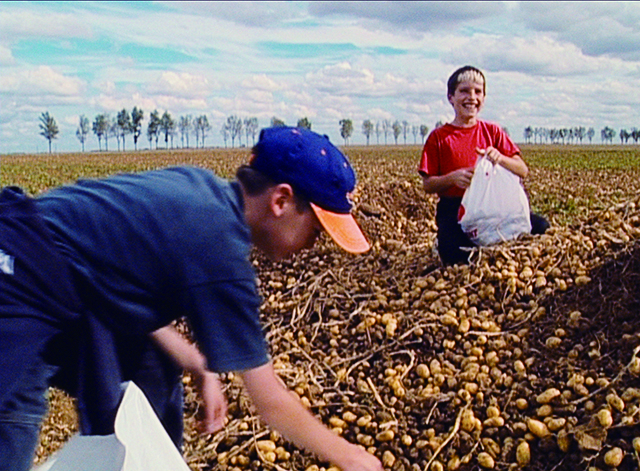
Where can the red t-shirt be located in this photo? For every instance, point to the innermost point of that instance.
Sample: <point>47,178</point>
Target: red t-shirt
<point>450,148</point>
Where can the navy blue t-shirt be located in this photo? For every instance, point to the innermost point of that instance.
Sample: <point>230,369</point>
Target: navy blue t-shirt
<point>151,247</point>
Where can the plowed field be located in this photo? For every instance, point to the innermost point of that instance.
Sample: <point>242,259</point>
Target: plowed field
<point>526,358</point>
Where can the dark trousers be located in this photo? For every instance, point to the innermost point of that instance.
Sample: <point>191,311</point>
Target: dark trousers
<point>452,240</point>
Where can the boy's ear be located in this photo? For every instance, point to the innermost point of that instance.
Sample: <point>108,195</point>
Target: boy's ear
<point>281,197</point>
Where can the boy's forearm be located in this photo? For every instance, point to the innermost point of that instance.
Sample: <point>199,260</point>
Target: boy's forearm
<point>515,165</point>
<point>182,352</point>
<point>284,412</point>
<point>435,184</point>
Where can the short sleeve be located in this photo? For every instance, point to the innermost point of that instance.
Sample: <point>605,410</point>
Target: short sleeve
<point>226,324</point>
<point>429,161</point>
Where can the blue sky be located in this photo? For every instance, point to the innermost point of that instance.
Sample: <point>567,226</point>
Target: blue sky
<point>548,64</point>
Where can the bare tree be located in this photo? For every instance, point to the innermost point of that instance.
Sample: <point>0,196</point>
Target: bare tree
<point>112,131</point>
<point>414,131</point>
<point>185,125</point>
<point>101,128</point>
<point>397,130</point>
<point>304,123</point>
<point>225,132</point>
<point>405,130</point>
<point>251,128</point>
<point>137,115</point>
<point>234,126</point>
<point>83,130</point>
<point>424,130</point>
<point>201,126</point>
<point>48,128</point>
<point>346,129</point>
<point>153,128</point>
<point>386,128</point>
<point>367,129</point>
<point>167,125</point>
<point>124,124</point>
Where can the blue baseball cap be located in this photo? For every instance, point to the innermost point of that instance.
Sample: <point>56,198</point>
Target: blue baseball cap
<point>319,172</point>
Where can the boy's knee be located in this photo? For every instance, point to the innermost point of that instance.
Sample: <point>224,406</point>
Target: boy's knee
<point>539,225</point>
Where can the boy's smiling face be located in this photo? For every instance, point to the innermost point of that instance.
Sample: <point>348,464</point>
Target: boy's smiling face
<point>467,102</point>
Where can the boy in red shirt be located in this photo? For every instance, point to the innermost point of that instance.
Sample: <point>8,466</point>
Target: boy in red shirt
<point>450,154</point>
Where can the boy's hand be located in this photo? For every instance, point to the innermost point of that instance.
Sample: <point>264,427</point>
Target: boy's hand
<point>490,153</point>
<point>360,460</point>
<point>461,177</point>
<point>514,164</point>
<point>213,416</point>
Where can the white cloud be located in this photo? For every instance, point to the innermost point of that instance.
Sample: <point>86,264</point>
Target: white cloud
<point>250,14</point>
<point>538,56</point>
<point>259,96</point>
<point>181,84</point>
<point>40,80</point>
<point>23,23</point>
<point>548,62</point>
<point>261,82</point>
<point>597,28</point>
<point>175,105</point>
<point>416,16</point>
<point>6,57</point>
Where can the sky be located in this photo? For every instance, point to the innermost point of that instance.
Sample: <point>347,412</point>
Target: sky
<point>548,64</point>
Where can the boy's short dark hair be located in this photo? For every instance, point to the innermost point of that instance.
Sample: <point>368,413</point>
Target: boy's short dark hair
<point>255,183</point>
<point>459,76</point>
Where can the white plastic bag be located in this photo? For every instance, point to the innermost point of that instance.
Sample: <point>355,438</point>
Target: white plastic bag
<point>495,207</point>
<point>139,443</point>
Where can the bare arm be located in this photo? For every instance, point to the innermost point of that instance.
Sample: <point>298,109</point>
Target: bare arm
<point>188,357</point>
<point>285,413</point>
<point>438,183</point>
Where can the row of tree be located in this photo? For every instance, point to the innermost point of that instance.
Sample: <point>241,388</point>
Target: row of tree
<point>165,128</point>
<point>159,126</point>
<point>577,135</point>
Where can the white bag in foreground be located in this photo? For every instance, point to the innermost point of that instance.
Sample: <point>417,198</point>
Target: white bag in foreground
<point>495,207</point>
<point>139,443</point>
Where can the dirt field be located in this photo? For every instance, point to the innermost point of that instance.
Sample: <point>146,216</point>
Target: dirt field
<point>523,359</point>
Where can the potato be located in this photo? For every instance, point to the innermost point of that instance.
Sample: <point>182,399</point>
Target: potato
<point>548,396</point>
<point>388,459</point>
<point>539,429</point>
<point>486,460</point>
<point>564,440</point>
<point>614,457</point>
<point>422,370</point>
<point>605,418</point>
<point>385,436</point>
<point>614,401</point>
<point>265,446</point>
<point>523,453</point>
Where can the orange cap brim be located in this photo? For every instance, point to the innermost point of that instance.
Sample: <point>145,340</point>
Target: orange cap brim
<point>343,229</point>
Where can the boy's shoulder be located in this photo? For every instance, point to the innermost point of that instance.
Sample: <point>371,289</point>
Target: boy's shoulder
<point>491,126</point>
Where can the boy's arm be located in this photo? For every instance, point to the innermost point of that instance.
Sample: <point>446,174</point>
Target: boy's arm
<point>439,183</point>
<point>283,411</point>
<point>188,357</point>
<point>514,164</point>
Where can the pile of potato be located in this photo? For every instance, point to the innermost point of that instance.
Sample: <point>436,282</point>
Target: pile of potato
<point>523,359</point>
<point>527,358</point>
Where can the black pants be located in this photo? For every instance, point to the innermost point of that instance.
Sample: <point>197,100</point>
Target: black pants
<point>452,240</point>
